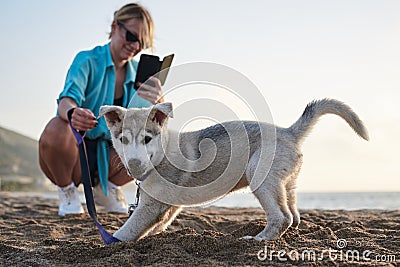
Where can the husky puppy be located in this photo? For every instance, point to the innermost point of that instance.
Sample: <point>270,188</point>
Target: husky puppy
<point>187,168</point>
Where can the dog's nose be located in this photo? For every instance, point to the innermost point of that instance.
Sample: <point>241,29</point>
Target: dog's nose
<point>136,169</point>
<point>134,163</point>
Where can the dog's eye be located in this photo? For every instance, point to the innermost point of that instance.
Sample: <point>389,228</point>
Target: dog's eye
<point>147,139</point>
<point>124,140</point>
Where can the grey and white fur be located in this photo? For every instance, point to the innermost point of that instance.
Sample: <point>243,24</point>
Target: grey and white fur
<point>192,160</point>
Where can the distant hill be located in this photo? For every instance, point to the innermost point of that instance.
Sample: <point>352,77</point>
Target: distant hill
<point>19,167</point>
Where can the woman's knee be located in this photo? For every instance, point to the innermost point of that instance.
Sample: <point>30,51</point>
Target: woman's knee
<point>56,132</point>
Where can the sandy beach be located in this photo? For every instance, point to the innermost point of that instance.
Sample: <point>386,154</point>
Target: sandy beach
<point>32,234</point>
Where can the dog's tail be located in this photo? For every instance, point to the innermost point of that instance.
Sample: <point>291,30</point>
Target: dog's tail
<point>317,108</point>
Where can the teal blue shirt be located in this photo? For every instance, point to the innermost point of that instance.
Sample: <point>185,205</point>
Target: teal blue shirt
<point>90,82</point>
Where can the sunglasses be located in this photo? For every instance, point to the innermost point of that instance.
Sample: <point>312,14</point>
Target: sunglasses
<point>130,37</point>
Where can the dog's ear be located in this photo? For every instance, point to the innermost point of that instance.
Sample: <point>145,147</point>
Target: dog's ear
<point>160,112</point>
<point>113,115</point>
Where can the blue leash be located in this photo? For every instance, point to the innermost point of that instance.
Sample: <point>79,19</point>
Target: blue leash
<point>87,182</point>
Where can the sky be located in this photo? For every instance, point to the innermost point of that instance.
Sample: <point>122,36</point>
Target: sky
<point>292,51</point>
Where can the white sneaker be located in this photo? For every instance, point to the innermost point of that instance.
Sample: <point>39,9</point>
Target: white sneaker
<point>69,200</point>
<point>114,202</point>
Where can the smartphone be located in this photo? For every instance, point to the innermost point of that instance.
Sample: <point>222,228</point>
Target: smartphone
<point>150,65</point>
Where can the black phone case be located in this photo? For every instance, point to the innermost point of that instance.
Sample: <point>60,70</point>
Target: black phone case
<point>150,65</point>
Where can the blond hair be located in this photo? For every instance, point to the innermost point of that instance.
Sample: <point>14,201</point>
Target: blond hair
<point>137,11</point>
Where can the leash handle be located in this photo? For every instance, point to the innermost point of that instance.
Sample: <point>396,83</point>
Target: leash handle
<point>87,181</point>
<point>79,135</point>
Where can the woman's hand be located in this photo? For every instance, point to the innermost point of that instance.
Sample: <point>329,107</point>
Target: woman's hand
<point>149,92</point>
<point>83,119</point>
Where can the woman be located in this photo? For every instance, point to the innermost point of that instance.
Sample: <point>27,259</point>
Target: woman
<point>102,76</point>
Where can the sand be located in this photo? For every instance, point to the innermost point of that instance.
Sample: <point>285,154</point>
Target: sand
<point>32,234</point>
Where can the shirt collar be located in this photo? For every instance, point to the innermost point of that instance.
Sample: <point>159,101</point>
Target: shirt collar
<point>130,72</point>
<point>109,61</point>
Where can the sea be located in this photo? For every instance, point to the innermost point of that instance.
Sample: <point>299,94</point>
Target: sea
<point>326,201</point>
<point>319,200</point>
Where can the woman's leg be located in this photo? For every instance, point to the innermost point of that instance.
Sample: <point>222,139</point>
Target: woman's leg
<point>59,154</point>
<point>117,172</point>
<point>59,160</point>
<point>117,176</point>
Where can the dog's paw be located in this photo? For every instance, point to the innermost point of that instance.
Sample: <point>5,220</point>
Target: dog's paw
<point>296,223</point>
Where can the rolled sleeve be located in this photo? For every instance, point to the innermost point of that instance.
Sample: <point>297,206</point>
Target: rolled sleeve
<point>76,81</point>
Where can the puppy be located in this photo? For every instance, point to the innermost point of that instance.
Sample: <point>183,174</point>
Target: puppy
<point>189,168</point>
